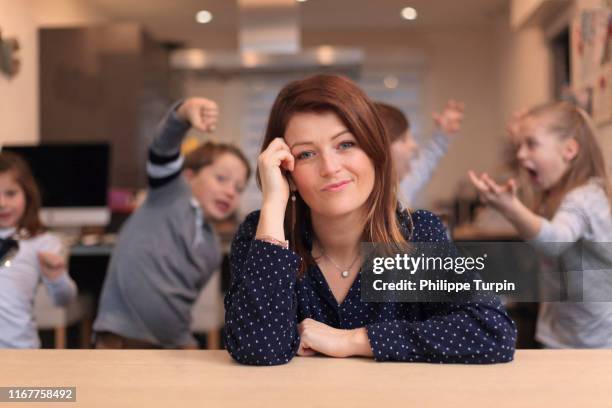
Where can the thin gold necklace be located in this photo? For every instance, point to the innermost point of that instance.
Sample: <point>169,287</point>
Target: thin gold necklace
<point>344,272</point>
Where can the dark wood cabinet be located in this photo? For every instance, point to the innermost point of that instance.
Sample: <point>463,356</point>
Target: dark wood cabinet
<point>105,83</point>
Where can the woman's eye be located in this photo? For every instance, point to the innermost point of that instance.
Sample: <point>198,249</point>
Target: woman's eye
<point>304,155</point>
<point>221,178</point>
<point>346,145</point>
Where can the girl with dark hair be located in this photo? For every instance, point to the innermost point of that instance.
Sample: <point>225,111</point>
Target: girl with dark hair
<point>29,255</point>
<point>328,184</point>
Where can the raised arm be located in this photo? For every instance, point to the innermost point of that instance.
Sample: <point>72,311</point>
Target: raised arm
<point>261,305</point>
<point>165,161</point>
<point>423,166</point>
<point>448,125</point>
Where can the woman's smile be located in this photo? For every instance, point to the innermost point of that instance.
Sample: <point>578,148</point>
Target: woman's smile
<point>334,187</point>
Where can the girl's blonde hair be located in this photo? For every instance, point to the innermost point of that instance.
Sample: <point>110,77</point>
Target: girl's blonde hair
<point>567,121</point>
<point>30,221</point>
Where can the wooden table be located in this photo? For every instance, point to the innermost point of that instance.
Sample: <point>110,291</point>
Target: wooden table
<point>151,378</point>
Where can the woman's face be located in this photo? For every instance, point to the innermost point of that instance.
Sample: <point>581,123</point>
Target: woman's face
<point>333,175</point>
<point>12,201</point>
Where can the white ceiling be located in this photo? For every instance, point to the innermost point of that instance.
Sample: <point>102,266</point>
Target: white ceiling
<point>173,20</point>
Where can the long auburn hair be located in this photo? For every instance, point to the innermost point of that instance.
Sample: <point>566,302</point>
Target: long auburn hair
<point>14,165</point>
<point>341,96</point>
<point>568,121</point>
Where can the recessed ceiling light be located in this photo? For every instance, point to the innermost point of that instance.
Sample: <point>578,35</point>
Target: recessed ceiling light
<point>391,82</point>
<point>301,1</point>
<point>204,16</point>
<point>409,13</point>
<point>325,55</point>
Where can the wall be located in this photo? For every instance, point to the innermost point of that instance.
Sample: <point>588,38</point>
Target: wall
<point>521,10</point>
<point>605,130</point>
<point>65,13</point>
<point>19,95</point>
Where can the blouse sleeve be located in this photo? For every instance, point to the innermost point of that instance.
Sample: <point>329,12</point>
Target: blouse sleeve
<point>261,304</point>
<point>478,331</point>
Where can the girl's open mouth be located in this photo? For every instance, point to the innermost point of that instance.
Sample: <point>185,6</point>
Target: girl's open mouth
<point>533,175</point>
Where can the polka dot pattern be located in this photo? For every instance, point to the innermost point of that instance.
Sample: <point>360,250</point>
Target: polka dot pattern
<point>266,301</point>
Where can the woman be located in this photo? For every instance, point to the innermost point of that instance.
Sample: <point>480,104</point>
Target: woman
<point>326,146</point>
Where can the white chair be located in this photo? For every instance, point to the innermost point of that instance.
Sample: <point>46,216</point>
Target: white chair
<point>208,314</point>
<point>48,316</point>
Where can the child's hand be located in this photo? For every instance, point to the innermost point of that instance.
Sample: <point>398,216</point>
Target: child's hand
<point>514,124</point>
<point>500,197</point>
<point>449,121</point>
<point>52,265</point>
<point>201,113</point>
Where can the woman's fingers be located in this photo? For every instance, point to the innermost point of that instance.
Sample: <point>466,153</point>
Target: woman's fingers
<point>281,159</point>
<point>278,143</point>
<point>272,162</point>
<point>304,351</point>
<point>278,154</point>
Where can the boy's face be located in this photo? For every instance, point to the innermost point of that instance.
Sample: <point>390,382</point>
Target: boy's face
<point>12,201</point>
<point>218,187</point>
<point>403,151</point>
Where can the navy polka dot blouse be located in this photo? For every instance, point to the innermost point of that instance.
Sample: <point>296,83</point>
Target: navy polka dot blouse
<point>266,301</point>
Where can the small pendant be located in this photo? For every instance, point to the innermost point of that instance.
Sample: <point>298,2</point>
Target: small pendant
<point>345,274</point>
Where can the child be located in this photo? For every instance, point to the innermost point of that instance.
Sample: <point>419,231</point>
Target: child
<point>327,186</point>
<point>37,258</point>
<point>414,167</point>
<point>557,147</point>
<point>167,250</point>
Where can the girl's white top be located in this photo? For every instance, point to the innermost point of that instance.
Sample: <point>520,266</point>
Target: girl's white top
<point>581,237</point>
<point>18,284</point>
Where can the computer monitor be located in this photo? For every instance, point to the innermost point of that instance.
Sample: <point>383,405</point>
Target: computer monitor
<point>73,179</point>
